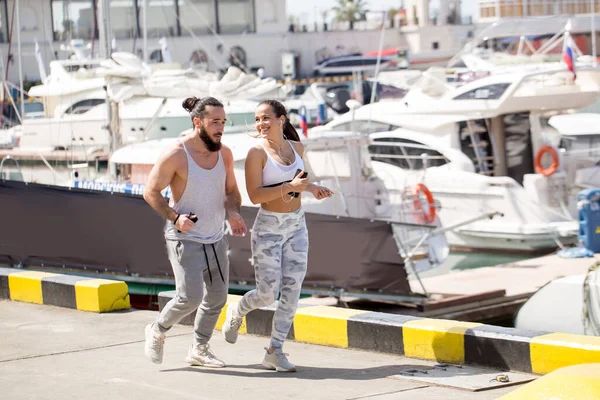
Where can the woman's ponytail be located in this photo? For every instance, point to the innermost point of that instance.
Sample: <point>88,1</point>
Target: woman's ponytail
<point>289,132</point>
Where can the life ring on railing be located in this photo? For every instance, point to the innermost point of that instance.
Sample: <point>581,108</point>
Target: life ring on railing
<point>551,170</point>
<point>429,211</point>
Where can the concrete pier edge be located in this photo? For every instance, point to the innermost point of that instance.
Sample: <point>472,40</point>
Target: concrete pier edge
<point>440,340</point>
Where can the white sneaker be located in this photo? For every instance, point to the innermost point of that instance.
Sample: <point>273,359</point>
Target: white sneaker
<point>200,354</point>
<point>278,361</point>
<point>154,345</point>
<point>232,324</point>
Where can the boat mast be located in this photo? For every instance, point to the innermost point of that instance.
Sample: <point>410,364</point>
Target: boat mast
<point>20,59</point>
<point>145,35</point>
<point>112,123</point>
<point>593,16</point>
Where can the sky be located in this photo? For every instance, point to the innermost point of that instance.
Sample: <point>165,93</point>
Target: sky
<point>306,9</point>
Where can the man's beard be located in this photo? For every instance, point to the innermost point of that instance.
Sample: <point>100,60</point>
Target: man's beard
<point>211,145</point>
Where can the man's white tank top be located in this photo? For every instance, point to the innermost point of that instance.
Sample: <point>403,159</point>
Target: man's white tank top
<point>204,195</point>
<point>274,172</point>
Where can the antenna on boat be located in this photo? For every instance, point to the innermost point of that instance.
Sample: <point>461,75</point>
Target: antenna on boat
<point>374,89</point>
<point>377,66</point>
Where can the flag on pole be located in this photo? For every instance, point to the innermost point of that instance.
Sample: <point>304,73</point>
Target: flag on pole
<point>568,56</point>
<point>303,123</point>
<point>40,61</point>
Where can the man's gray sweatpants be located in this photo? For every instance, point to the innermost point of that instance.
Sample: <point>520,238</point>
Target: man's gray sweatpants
<point>201,280</point>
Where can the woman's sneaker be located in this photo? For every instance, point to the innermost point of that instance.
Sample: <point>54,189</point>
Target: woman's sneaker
<point>232,324</point>
<point>200,354</point>
<point>278,361</point>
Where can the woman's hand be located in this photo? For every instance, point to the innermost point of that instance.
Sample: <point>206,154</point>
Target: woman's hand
<point>320,192</point>
<point>298,184</point>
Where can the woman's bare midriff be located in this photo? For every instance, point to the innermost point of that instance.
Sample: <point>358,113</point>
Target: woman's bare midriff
<point>280,206</point>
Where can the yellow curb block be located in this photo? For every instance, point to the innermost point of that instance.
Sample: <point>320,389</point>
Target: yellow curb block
<point>577,382</point>
<point>27,286</point>
<point>557,350</point>
<point>436,339</point>
<point>323,325</point>
<point>101,295</point>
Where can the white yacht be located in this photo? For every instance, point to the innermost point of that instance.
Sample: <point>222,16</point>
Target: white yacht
<point>480,140</point>
<point>341,162</point>
<point>79,128</point>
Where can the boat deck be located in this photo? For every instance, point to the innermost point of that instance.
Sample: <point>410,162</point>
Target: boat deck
<point>487,294</point>
<point>518,278</point>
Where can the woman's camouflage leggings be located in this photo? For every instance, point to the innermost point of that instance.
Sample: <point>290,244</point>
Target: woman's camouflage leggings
<point>279,255</point>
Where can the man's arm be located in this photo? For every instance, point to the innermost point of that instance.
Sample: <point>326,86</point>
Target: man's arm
<point>233,200</point>
<point>160,177</point>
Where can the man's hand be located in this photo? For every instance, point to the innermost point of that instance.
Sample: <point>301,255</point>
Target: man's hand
<point>184,223</point>
<point>238,227</point>
<point>320,192</point>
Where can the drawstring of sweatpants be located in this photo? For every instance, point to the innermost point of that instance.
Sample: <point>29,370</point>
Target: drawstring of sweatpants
<point>218,264</point>
<point>208,265</point>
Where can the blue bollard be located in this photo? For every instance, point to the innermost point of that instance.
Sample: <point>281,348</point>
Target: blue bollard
<point>588,205</point>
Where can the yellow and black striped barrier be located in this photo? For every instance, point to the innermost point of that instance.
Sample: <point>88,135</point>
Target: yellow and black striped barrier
<point>85,294</point>
<point>432,339</point>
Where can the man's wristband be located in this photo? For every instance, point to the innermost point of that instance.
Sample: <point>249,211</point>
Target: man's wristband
<point>176,218</point>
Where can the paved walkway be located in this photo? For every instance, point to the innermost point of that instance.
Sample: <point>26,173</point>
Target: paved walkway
<point>56,353</point>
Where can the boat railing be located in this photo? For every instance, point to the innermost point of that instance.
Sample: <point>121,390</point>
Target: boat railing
<point>14,177</point>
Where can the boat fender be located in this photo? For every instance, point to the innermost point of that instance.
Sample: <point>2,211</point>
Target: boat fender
<point>551,170</point>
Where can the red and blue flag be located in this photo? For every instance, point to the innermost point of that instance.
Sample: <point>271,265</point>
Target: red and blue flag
<point>569,59</point>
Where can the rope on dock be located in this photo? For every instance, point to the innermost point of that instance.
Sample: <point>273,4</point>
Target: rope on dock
<point>591,321</point>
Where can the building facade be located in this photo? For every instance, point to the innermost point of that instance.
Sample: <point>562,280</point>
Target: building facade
<point>494,10</point>
<point>203,31</point>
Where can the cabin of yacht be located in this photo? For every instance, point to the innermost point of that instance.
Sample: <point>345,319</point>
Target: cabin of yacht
<point>474,147</point>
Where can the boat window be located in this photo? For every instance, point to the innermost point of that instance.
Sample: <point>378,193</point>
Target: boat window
<point>489,92</point>
<point>365,127</point>
<point>342,127</point>
<point>405,153</point>
<point>33,106</point>
<point>241,122</point>
<point>345,63</point>
<point>84,106</point>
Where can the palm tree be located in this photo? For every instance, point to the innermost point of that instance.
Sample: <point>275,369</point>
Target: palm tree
<point>351,11</point>
<point>392,12</point>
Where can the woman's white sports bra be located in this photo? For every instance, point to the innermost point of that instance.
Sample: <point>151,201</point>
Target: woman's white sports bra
<point>274,172</point>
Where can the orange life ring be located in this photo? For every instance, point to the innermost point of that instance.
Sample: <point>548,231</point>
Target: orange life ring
<point>429,211</point>
<point>551,170</point>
